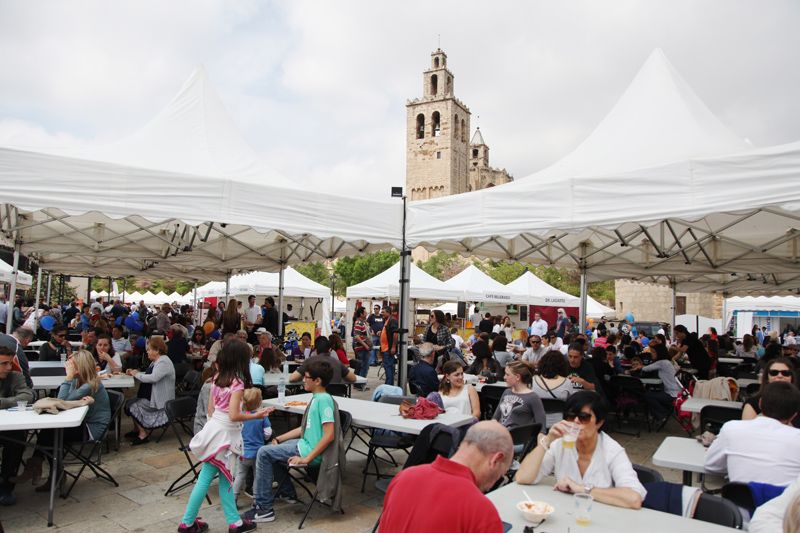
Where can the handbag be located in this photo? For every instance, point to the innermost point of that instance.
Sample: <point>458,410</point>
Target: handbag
<point>424,409</point>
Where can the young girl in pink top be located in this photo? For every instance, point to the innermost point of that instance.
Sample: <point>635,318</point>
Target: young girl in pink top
<point>219,443</point>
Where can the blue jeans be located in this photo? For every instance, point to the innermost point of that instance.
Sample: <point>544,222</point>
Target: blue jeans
<point>364,356</point>
<point>376,342</point>
<point>388,366</point>
<point>271,464</point>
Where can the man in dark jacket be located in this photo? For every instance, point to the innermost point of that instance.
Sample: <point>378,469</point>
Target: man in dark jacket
<point>388,343</point>
<point>423,375</point>
<point>13,389</point>
<point>486,324</point>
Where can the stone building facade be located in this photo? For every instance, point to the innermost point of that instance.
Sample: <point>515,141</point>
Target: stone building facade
<point>440,158</point>
<point>652,302</point>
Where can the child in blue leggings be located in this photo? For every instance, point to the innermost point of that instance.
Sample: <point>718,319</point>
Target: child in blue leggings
<point>219,443</point>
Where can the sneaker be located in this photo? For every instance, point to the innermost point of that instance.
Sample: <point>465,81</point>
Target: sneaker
<point>247,525</point>
<point>287,499</point>
<point>258,516</point>
<point>197,527</point>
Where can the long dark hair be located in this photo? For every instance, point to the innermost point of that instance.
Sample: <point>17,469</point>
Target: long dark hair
<point>233,363</point>
<point>359,311</point>
<point>439,317</point>
<point>269,359</point>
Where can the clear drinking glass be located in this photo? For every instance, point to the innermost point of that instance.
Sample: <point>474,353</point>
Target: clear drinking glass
<point>571,435</point>
<point>583,509</point>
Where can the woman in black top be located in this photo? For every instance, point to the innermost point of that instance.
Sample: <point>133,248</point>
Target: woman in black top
<point>485,365</point>
<point>56,346</point>
<point>780,369</point>
<point>689,344</point>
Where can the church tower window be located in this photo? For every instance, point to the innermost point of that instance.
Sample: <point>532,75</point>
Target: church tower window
<point>463,131</point>
<point>435,124</point>
<point>455,128</point>
<point>420,126</point>
<point>434,84</point>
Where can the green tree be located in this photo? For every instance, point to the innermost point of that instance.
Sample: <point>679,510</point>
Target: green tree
<point>316,271</point>
<point>442,265</point>
<point>355,269</point>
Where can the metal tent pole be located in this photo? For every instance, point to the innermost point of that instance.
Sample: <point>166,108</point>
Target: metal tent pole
<point>194,305</point>
<point>280,297</point>
<point>227,287</point>
<point>674,286</point>
<point>405,280</point>
<point>49,287</point>
<point>12,298</point>
<point>36,299</point>
<point>584,294</point>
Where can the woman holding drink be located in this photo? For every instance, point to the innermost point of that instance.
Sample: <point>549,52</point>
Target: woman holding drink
<point>583,459</point>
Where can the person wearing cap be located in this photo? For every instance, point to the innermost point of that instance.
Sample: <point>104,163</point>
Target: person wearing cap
<point>264,341</point>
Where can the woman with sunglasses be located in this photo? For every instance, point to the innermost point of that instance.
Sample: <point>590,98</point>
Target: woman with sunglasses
<point>596,464</point>
<point>780,369</point>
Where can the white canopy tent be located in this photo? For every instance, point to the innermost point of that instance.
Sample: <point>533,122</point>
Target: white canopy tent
<point>7,274</point>
<point>261,284</point>
<point>789,305</point>
<point>182,198</point>
<point>474,285</point>
<point>688,216</point>
<point>387,285</point>
<point>542,293</point>
<point>595,309</point>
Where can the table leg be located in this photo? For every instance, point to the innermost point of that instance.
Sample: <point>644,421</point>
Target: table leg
<point>687,478</point>
<point>55,475</point>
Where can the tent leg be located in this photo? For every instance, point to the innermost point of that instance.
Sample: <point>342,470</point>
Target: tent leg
<point>36,299</point>
<point>280,298</point>
<point>584,294</point>
<point>194,304</point>
<point>405,280</point>
<point>12,292</point>
<point>49,286</point>
<point>227,287</point>
<point>674,302</point>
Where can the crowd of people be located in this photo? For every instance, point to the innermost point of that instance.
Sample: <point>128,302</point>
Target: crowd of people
<point>235,351</point>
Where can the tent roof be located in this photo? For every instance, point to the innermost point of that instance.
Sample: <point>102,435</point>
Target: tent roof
<point>23,278</point>
<point>596,309</point>
<point>692,219</point>
<point>540,292</point>
<point>760,303</point>
<point>179,199</point>
<point>266,284</point>
<point>658,119</point>
<point>474,285</point>
<point>387,285</point>
<point>193,134</point>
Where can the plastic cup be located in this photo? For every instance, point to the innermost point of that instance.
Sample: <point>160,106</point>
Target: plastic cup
<point>571,435</point>
<point>22,406</point>
<point>583,509</point>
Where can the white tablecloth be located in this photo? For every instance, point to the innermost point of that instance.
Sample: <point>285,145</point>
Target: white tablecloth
<point>54,382</point>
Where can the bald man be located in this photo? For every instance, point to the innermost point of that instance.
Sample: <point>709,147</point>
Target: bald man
<point>447,495</point>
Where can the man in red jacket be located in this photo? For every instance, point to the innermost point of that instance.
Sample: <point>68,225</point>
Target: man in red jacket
<point>447,495</point>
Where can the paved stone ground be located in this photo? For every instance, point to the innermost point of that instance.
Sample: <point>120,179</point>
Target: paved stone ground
<point>145,472</point>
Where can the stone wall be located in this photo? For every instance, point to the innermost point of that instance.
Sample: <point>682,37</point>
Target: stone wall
<point>651,302</point>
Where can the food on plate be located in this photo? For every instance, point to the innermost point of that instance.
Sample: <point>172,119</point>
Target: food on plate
<point>296,404</point>
<point>535,511</point>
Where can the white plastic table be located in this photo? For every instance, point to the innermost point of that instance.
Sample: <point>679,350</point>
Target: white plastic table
<point>39,344</point>
<point>374,414</point>
<point>45,364</point>
<point>605,518</point>
<point>13,420</point>
<point>274,379</point>
<point>53,382</point>
<point>730,360</point>
<point>695,405</point>
<point>681,453</point>
<point>744,382</point>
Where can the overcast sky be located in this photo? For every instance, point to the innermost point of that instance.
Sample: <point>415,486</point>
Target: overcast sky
<point>319,88</point>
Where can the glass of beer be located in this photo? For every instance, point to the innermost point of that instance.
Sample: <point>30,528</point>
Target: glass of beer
<point>571,435</point>
<point>583,509</point>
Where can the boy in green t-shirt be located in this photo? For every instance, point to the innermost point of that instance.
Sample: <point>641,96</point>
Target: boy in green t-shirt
<point>296,447</point>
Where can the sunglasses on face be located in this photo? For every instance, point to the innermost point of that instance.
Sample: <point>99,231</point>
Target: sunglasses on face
<point>536,342</point>
<point>582,417</point>
<point>784,373</point>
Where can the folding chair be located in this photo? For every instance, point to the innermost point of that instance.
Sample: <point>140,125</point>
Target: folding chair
<point>385,441</point>
<point>526,436</point>
<point>740,494</point>
<point>188,386</point>
<point>630,401</point>
<point>337,389</point>
<point>490,398</point>
<point>553,406</point>
<point>48,371</point>
<point>180,412</point>
<point>712,417</point>
<point>647,475</point>
<point>310,473</point>
<point>718,510</point>
<point>117,401</point>
<point>84,454</point>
